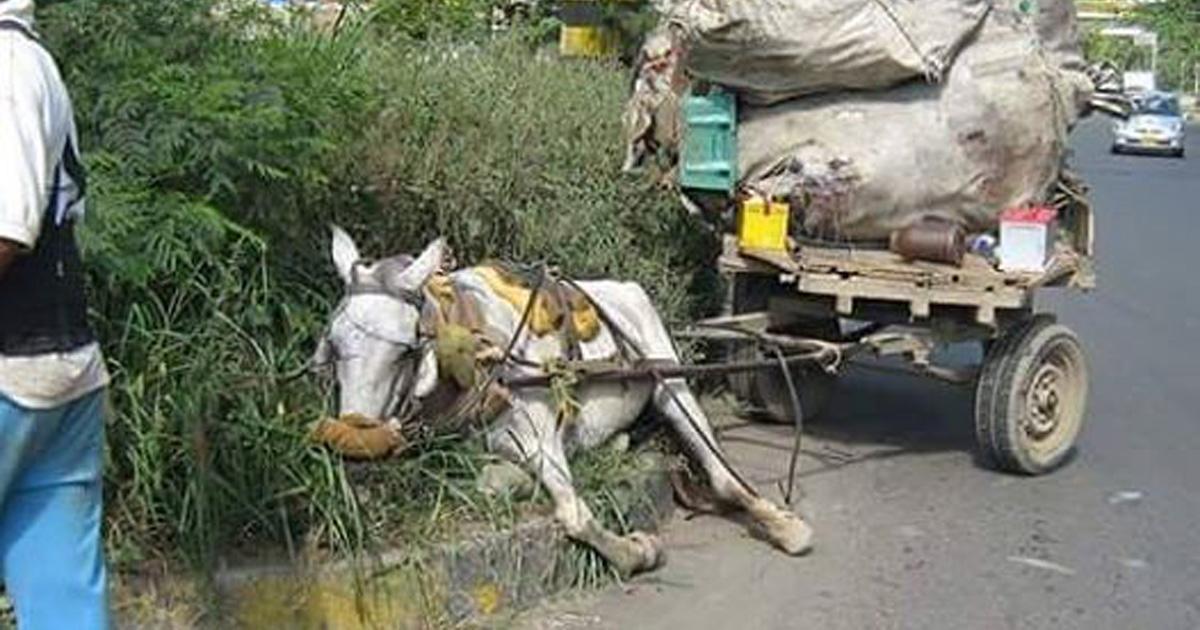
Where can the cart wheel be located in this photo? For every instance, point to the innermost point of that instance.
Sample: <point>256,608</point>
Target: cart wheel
<point>1031,397</point>
<point>767,389</point>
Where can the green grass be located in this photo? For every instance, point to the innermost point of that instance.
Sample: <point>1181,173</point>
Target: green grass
<point>430,496</point>
<point>219,152</point>
<point>511,154</point>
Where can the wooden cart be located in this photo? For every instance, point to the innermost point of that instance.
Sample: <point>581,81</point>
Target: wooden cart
<point>1031,388</point>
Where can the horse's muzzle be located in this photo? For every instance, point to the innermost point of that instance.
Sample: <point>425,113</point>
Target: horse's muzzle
<point>357,437</point>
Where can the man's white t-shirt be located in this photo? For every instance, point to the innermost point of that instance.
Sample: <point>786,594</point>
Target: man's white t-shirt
<point>36,119</point>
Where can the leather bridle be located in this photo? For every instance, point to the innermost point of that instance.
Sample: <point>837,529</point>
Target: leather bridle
<point>400,405</point>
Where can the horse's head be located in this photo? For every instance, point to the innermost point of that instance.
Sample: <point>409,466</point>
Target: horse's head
<point>374,341</point>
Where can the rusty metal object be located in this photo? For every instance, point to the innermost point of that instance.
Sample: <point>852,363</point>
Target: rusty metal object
<point>933,240</point>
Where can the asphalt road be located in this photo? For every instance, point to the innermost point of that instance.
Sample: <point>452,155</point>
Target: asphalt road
<point>913,533</point>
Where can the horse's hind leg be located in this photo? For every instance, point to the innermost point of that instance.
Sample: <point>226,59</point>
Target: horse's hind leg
<point>674,400</point>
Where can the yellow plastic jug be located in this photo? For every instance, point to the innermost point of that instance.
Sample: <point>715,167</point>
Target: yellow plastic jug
<point>763,225</point>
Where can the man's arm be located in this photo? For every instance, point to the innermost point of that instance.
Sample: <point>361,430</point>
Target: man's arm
<point>24,151</point>
<point>8,253</point>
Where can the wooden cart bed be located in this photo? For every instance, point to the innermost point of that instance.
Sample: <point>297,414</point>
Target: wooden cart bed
<point>847,274</point>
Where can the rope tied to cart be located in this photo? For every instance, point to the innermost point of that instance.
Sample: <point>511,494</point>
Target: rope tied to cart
<point>827,354</point>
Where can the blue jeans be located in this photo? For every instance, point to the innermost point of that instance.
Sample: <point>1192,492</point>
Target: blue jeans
<point>51,550</point>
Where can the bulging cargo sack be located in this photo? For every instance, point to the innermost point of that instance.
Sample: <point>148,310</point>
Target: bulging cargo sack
<point>860,165</point>
<point>1057,25</point>
<point>774,50</point>
<point>1058,28</point>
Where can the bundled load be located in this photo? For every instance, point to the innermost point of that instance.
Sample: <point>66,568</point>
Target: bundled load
<point>869,117</point>
<point>774,50</point>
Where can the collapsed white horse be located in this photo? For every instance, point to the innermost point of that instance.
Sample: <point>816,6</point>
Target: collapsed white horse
<point>377,345</point>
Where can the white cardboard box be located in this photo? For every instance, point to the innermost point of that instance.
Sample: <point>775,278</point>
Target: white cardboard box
<point>1026,239</point>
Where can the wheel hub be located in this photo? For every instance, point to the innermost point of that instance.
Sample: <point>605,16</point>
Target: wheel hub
<point>1044,401</point>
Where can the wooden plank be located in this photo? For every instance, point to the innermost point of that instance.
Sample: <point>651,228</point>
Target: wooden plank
<point>782,261</point>
<point>920,307</point>
<point>883,265</point>
<point>887,265</point>
<point>845,303</point>
<point>849,274</point>
<point>847,289</point>
<point>986,314</point>
<point>733,259</point>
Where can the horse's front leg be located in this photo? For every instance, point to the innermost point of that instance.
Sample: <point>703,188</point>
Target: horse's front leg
<point>531,438</point>
<point>675,400</point>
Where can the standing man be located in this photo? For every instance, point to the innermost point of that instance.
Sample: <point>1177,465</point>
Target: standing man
<point>52,377</point>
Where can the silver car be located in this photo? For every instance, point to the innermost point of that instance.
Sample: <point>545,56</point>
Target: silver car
<point>1156,126</point>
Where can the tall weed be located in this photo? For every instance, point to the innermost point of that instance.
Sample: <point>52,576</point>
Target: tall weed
<point>426,19</point>
<point>517,155</point>
<point>220,149</point>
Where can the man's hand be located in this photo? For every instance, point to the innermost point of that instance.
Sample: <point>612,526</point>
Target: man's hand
<point>8,253</point>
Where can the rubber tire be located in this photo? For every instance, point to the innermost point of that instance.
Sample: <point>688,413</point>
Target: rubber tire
<point>766,389</point>
<point>1001,392</point>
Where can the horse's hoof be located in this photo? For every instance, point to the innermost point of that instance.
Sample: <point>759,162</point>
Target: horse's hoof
<point>639,552</point>
<point>653,555</point>
<point>791,534</point>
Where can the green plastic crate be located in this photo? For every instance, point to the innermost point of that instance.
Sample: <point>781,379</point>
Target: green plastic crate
<point>709,157</point>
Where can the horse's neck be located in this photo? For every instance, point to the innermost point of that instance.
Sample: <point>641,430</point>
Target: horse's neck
<point>498,316</point>
<point>501,320</point>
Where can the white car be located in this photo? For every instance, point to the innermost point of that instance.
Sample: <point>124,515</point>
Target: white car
<point>1156,126</point>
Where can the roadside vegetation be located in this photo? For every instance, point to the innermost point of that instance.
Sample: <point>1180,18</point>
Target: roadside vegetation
<point>1177,23</point>
<point>221,145</point>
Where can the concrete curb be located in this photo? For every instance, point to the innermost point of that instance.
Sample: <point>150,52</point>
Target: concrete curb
<point>465,582</point>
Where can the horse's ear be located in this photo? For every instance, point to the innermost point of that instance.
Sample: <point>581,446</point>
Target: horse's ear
<point>414,276</point>
<point>345,253</point>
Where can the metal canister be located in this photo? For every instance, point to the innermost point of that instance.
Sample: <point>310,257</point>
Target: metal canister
<point>931,239</point>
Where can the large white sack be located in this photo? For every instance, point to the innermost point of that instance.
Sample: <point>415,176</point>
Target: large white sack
<point>860,165</point>
<point>1058,29</point>
<point>773,50</point>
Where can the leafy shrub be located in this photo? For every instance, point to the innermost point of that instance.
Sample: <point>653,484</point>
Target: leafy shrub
<point>202,141</point>
<point>511,155</point>
<point>243,112</point>
<point>1177,23</point>
<point>221,145</point>
<point>426,19</point>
